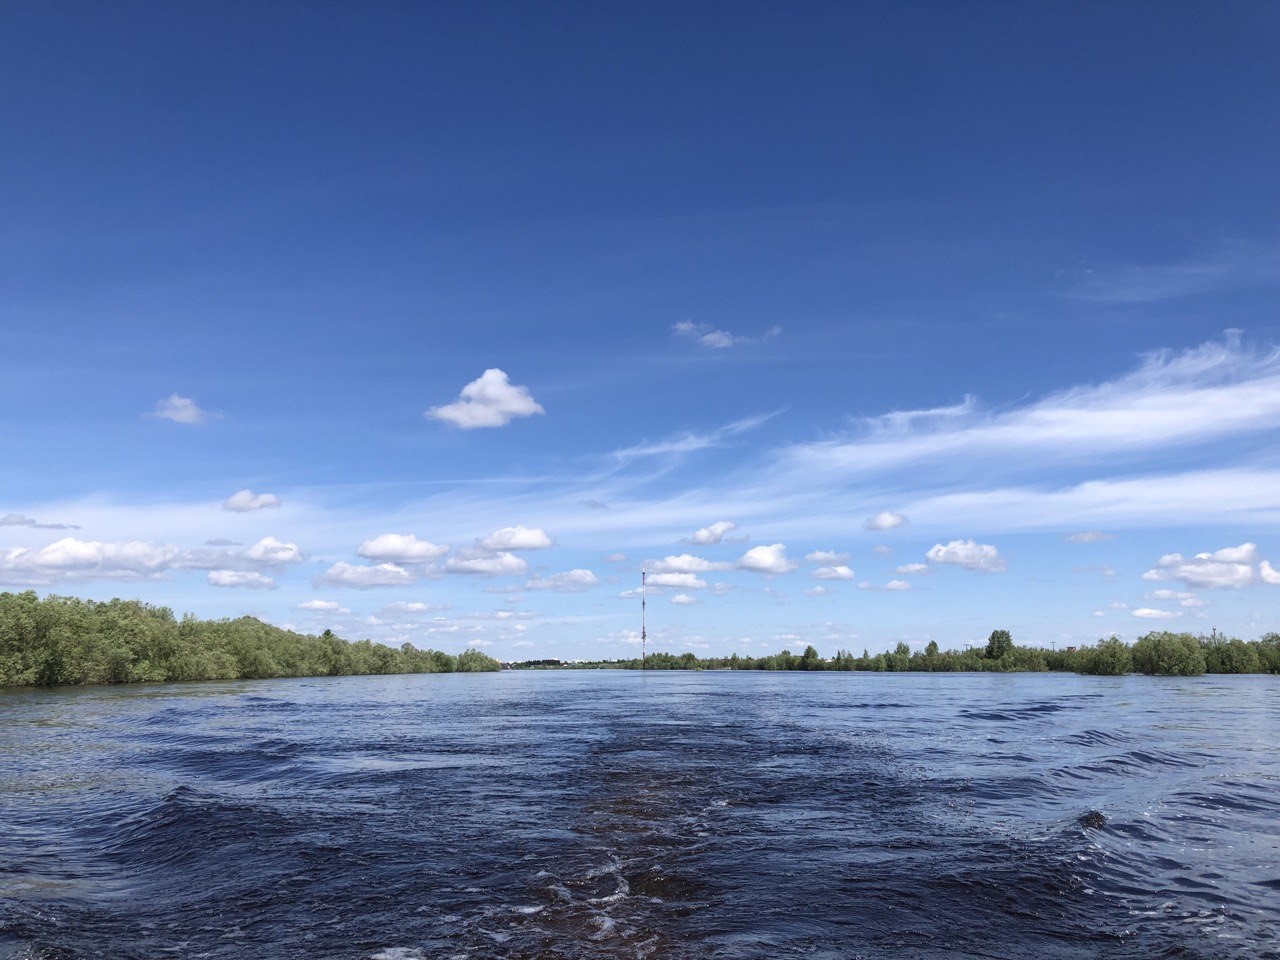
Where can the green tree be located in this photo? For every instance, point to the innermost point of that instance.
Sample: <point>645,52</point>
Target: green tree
<point>1168,655</point>
<point>998,644</point>
<point>1110,658</point>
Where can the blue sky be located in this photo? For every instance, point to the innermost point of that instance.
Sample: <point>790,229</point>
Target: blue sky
<point>853,323</point>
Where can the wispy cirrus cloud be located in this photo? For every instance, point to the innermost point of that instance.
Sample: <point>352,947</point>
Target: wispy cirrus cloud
<point>690,442</point>
<point>1229,266</point>
<point>1171,400</point>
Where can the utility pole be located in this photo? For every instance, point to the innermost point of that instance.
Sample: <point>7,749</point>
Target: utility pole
<point>643,575</point>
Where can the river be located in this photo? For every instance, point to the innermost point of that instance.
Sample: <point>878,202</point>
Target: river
<point>658,815</point>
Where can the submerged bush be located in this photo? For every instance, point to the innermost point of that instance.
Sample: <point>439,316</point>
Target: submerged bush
<point>1169,655</point>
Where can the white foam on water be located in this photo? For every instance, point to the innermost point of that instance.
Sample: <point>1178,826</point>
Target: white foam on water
<point>399,953</point>
<point>607,926</point>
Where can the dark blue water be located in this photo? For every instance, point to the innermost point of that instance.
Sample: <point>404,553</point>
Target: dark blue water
<point>663,815</point>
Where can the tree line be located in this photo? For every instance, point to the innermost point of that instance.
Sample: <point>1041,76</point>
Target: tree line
<point>1156,654</point>
<point>66,640</point>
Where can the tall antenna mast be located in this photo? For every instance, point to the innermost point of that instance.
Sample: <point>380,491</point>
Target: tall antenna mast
<point>643,575</point>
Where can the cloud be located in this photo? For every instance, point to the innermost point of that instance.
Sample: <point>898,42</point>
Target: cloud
<point>885,520</point>
<point>222,542</point>
<point>1167,595</point>
<point>910,568</point>
<point>489,401</point>
<point>592,504</point>
<point>1148,613</point>
<point>322,606</point>
<point>180,409</point>
<point>72,559</point>
<point>1230,266</point>
<point>683,581</point>
<point>770,559</point>
<point>616,558</point>
<point>1267,573</point>
<point>401,548</point>
<point>516,538</point>
<point>818,591</point>
<point>1210,393</point>
<point>687,563</point>
<point>571,581</point>
<point>1228,568</point>
<point>343,574</point>
<point>826,557</point>
<point>967,554</point>
<point>705,335</point>
<point>712,534</point>
<point>833,573</point>
<point>487,564</point>
<point>882,549</point>
<point>683,599</point>
<point>272,552</point>
<point>689,442</point>
<point>18,520</point>
<point>241,578</point>
<point>402,607</point>
<point>1091,536</point>
<point>892,586</point>
<point>246,501</point>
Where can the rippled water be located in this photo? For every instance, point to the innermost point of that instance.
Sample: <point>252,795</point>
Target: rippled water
<point>653,815</point>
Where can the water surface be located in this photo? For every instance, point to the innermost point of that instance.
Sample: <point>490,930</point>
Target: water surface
<point>664,815</point>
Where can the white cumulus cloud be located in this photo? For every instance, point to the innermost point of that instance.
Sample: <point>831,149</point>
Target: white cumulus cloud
<point>910,568</point>
<point>687,563</point>
<point>1149,613</point>
<point>273,552</point>
<point>1090,536</point>
<point>343,574</point>
<point>401,548</point>
<point>766,559</point>
<point>570,581</point>
<point>1268,573</point>
<point>73,559</point>
<point>491,400</point>
<point>826,557</point>
<point>681,581</point>
<point>405,607</point>
<point>241,578</point>
<point>180,409</point>
<point>840,572</point>
<point>897,585</point>
<point>516,538</point>
<point>498,564</point>
<point>1228,568</point>
<point>885,520</point>
<point>713,533</point>
<point>683,599</point>
<point>321,606</point>
<point>246,501</point>
<point>967,554</point>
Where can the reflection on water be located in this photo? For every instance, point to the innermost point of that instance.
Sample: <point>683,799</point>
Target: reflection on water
<point>585,815</point>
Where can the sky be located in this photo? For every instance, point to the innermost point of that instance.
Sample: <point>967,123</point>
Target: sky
<point>850,324</point>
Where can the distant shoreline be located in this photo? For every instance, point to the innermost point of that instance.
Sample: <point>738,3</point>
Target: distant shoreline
<point>65,641</point>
